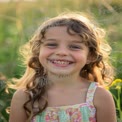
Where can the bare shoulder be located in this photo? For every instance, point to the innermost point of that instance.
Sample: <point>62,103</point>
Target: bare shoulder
<point>20,94</point>
<point>17,111</point>
<point>102,94</point>
<point>20,97</point>
<point>104,103</point>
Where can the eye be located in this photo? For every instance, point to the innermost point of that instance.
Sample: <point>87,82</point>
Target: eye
<point>51,45</point>
<point>75,47</point>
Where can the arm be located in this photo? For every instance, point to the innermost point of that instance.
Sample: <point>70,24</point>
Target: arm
<point>17,112</point>
<point>105,106</point>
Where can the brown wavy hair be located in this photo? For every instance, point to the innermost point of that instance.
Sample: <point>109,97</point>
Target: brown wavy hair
<point>99,70</point>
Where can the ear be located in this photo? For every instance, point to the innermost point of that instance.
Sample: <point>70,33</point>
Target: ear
<point>89,59</point>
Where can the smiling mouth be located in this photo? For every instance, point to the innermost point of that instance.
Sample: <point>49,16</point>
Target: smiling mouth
<point>61,62</point>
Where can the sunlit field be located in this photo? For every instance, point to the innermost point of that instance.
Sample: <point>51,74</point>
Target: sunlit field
<point>19,20</point>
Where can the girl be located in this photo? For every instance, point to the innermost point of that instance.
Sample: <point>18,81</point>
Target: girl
<point>67,69</point>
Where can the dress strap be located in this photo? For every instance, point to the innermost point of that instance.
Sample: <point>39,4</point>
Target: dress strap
<point>90,93</point>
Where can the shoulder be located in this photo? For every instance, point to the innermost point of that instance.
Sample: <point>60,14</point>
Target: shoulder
<point>20,95</point>
<point>17,111</point>
<point>104,104</point>
<point>102,95</point>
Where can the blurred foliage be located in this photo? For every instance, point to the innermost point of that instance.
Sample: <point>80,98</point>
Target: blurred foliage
<point>116,90</point>
<point>5,99</point>
<point>19,20</point>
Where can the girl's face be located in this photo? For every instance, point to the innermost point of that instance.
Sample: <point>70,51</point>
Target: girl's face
<point>62,53</point>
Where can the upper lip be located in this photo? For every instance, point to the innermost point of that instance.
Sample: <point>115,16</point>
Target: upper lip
<point>63,60</point>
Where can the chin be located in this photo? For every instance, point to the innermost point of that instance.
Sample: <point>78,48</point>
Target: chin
<point>62,74</point>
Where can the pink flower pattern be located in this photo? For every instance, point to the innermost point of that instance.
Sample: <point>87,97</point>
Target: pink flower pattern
<point>84,112</point>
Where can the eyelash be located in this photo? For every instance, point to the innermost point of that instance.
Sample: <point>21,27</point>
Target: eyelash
<point>51,45</point>
<point>72,47</point>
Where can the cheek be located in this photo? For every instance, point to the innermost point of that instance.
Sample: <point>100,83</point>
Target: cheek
<point>81,57</point>
<point>43,55</point>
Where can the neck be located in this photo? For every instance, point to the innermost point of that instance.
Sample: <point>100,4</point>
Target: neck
<point>64,80</point>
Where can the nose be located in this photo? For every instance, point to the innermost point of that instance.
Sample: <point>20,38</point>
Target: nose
<point>62,51</point>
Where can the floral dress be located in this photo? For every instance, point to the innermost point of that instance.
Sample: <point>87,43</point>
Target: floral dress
<point>84,112</point>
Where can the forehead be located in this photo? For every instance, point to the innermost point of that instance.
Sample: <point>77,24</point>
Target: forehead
<point>61,32</point>
<point>55,29</point>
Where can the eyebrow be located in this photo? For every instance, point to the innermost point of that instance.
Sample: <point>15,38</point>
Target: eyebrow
<point>46,40</point>
<point>77,41</point>
<point>74,41</point>
<point>50,39</point>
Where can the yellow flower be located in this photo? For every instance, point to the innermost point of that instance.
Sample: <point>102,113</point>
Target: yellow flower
<point>116,82</point>
<point>118,87</point>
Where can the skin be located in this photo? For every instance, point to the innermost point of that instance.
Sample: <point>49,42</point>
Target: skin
<point>63,56</point>
<point>62,53</point>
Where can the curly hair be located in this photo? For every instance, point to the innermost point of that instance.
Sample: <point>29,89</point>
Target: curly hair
<point>98,70</point>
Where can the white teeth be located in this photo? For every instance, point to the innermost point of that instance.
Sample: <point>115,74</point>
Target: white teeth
<point>61,62</point>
